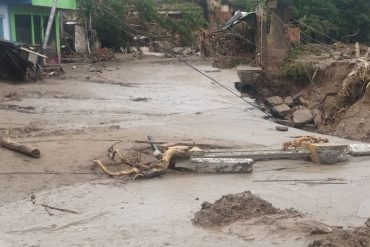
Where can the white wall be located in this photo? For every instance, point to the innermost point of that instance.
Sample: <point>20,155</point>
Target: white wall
<point>4,13</point>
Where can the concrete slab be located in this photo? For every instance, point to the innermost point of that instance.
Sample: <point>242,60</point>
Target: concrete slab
<point>327,153</point>
<point>359,149</point>
<point>217,165</point>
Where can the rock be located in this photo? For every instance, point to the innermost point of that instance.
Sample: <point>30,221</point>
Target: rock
<point>302,101</point>
<point>281,128</point>
<point>289,101</point>
<point>302,117</point>
<point>301,107</point>
<point>281,110</point>
<point>274,100</point>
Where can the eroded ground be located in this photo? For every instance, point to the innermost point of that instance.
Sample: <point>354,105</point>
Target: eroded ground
<point>75,119</point>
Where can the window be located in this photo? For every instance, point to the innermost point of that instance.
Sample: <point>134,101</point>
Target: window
<point>23,28</point>
<point>1,27</point>
<point>37,29</point>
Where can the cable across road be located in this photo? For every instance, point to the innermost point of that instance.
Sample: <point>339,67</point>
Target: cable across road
<point>185,62</point>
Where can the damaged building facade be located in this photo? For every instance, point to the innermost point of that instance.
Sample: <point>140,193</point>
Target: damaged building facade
<point>25,21</point>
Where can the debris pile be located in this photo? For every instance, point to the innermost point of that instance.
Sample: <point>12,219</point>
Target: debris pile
<point>228,48</point>
<point>103,54</point>
<point>137,168</point>
<point>357,236</point>
<point>293,111</point>
<point>234,207</point>
<point>14,63</point>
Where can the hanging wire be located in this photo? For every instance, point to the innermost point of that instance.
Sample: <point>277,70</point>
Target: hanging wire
<point>186,63</point>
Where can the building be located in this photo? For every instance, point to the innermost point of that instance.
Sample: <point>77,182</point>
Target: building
<point>25,21</point>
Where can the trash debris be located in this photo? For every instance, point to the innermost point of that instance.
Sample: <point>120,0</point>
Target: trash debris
<point>21,148</point>
<point>138,169</point>
<point>14,63</point>
<point>103,54</point>
<point>354,236</point>
<point>298,142</point>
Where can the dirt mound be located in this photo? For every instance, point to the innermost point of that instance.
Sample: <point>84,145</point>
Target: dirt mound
<point>358,236</point>
<point>233,207</point>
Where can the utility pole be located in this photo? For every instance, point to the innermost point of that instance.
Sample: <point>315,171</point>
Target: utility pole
<point>48,29</point>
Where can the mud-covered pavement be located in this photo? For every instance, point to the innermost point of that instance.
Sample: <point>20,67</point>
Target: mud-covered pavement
<point>75,119</point>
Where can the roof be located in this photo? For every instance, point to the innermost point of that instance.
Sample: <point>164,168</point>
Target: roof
<point>62,4</point>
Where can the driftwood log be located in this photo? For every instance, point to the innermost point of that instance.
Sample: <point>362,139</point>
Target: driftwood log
<point>21,148</point>
<point>143,170</point>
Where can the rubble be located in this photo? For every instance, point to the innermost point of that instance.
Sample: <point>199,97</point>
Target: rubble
<point>14,63</point>
<point>302,117</point>
<point>289,101</point>
<point>282,110</point>
<point>234,207</point>
<point>274,101</point>
<point>354,236</point>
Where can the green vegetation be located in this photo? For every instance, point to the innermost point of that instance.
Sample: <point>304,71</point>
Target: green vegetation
<point>337,20</point>
<point>298,72</point>
<point>109,19</point>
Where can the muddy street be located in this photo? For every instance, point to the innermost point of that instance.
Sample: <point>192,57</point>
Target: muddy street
<point>74,118</point>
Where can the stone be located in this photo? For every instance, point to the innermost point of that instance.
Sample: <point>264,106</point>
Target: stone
<point>302,117</point>
<point>289,101</point>
<point>282,110</point>
<point>282,128</point>
<point>327,153</point>
<point>274,100</point>
<point>302,101</point>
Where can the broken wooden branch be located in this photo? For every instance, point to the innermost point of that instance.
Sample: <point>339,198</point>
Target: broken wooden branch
<point>147,171</point>
<point>21,148</point>
<point>60,209</point>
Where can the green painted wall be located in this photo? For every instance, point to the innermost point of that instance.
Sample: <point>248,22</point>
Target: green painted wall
<point>63,4</point>
<point>39,11</point>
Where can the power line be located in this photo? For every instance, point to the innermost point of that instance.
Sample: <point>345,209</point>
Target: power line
<point>188,64</point>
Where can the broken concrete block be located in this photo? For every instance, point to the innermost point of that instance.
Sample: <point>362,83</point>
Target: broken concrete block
<point>289,101</point>
<point>327,153</point>
<point>359,149</point>
<point>282,110</point>
<point>274,100</point>
<point>217,165</point>
<point>302,117</point>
